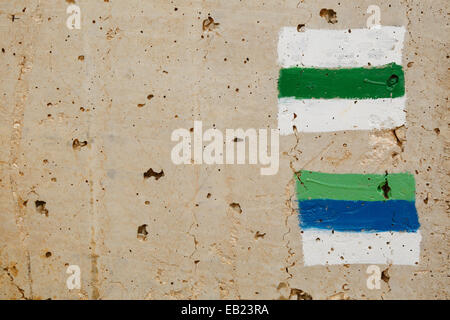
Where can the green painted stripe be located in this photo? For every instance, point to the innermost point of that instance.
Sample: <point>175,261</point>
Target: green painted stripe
<point>364,187</point>
<point>353,83</point>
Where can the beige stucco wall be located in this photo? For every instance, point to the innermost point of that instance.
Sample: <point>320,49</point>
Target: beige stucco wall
<point>197,247</point>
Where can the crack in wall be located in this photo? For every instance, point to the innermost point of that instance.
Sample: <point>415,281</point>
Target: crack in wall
<point>11,278</point>
<point>292,211</point>
<point>408,9</point>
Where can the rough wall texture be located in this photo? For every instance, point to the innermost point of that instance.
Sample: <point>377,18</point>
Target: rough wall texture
<point>85,113</point>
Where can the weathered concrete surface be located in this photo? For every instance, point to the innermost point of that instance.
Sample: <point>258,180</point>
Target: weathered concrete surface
<point>59,85</point>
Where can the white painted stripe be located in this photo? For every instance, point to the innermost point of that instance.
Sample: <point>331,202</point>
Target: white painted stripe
<point>323,115</point>
<point>340,48</point>
<point>322,247</point>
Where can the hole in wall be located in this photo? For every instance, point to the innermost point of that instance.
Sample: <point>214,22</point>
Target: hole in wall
<point>142,232</point>
<point>236,207</point>
<point>329,15</point>
<point>40,207</point>
<point>150,173</point>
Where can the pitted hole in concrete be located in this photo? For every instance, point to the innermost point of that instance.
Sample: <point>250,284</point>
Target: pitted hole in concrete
<point>77,144</point>
<point>300,294</point>
<point>400,135</point>
<point>142,232</point>
<point>301,27</point>
<point>150,173</point>
<point>150,97</point>
<point>48,254</point>
<point>208,195</point>
<point>209,24</point>
<point>425,200</point>
<point>392,81</point>
<point>236,207</point>
<point>23,204</point>
<point>40,207</point>
<point>385,275</point>
<point>12,269</point>
<point>385,189</point>
<point>259,235</point>
<point>329,15</point>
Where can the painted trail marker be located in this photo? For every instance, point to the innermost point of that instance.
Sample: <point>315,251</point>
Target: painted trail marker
<point>334,80</point>
<point>358,218</point>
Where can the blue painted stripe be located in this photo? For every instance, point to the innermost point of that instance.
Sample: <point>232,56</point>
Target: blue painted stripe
<point>359,216</point>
